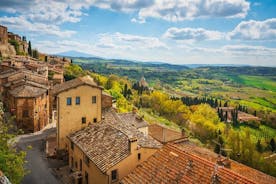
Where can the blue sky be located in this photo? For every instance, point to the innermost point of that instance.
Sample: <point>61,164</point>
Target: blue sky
<point>174,31</point>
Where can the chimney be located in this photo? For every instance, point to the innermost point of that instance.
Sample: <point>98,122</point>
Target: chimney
<point>134,110</point>
<point>132,143</point>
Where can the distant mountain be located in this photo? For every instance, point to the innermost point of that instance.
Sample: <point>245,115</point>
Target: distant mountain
<point>214,65</point>
<point>73,53</point>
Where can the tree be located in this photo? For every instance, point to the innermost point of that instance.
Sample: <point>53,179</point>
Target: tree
<point>11,160</point>
<point>30,49</point>
<point>46,58</point>
<point>255,113</point>
<point>272,145</point>
<point>35,54</point>
<point>259,146</point>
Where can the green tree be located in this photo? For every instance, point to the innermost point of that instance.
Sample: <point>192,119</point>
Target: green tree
<point>259,146</point>
<point>272,145</point>
<point>35,54</point>
<point>11,160</point>
<point>30,49</point>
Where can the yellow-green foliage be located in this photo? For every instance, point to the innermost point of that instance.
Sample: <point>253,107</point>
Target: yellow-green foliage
<point>204,122</point>
<point>72,71</point>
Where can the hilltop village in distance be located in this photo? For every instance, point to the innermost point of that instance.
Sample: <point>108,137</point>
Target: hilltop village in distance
<point>77,126</point>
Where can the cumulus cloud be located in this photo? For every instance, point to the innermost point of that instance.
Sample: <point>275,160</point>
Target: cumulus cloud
<point>178,10</point>
<point>48,11</point>
<point>195,34</point>
<point>128,41</point>
<point>249,50</point>
<point>170,10</point>
<point>255,30</point>
<point>20,23</point>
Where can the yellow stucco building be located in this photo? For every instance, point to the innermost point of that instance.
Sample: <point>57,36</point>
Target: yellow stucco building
<point>76,104</point>
<point>107,152</point>
<point>102,145</point>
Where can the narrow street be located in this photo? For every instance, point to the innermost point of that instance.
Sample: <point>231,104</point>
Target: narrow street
<point>39,167</point>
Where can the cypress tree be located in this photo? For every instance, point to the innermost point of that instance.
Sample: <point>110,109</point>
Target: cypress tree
<point>30,49</point>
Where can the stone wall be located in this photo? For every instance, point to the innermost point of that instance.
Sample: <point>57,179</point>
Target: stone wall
<point>106,101</point>
<point>3,35</point>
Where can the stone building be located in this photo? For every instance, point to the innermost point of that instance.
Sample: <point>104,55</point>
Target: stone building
<point>106,100</point>
<point>25,95</point>
<point>108,151</point>
<point>143,83</point>
<point>3,35</point>
<point>13,36</point>
<point>30,104</point>
<point>5,48</point>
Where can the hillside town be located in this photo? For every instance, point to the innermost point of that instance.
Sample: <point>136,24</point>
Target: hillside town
<point>96,143</point>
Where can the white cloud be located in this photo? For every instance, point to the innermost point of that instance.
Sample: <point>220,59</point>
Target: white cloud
<point>247,50</point>
<point>170,10</point>
<point>179,10</point>
<point>55,12</point>
<point>194,34</point>
<point>128,41</point>
<point>255,30</point>
<point>20,23</point>
<point>138,20</point>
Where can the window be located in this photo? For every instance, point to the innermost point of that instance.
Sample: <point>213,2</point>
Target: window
<point>95,120</point>
<point>83,120</point>
<point>25,113</point>
<point>114,175</point>
<point>86,160</point>
<point>139,156</point>
<point>77,100</point>
<point>69,101</point>
<point>86,177</point>
<point>76,164</point>
<point>80,165</point>
<point>94,99</point>
<point>72,145</point>
<point>72,162</point>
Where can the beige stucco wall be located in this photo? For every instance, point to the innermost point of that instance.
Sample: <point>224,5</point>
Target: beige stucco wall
<point>96,176</point>
<point>69,117</point>
<point>129,163</point>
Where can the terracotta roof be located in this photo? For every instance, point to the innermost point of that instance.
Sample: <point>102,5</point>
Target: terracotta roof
<point>111,117</point>
<point>237,167</point>
<point>86,80</point>
<point>103,144</point>
<point>7,73</point>
<point>20,82</point>
<point>106,143</point>
<point>27,91</point>
<point>106,94</point>
<point>163,134</point>
<point>133,119</point>
<point>173,165</point>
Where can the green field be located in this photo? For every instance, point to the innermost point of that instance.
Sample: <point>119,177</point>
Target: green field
<point>260,82</point>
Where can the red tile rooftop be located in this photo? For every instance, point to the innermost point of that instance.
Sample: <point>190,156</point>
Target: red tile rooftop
<point>173,165</point>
